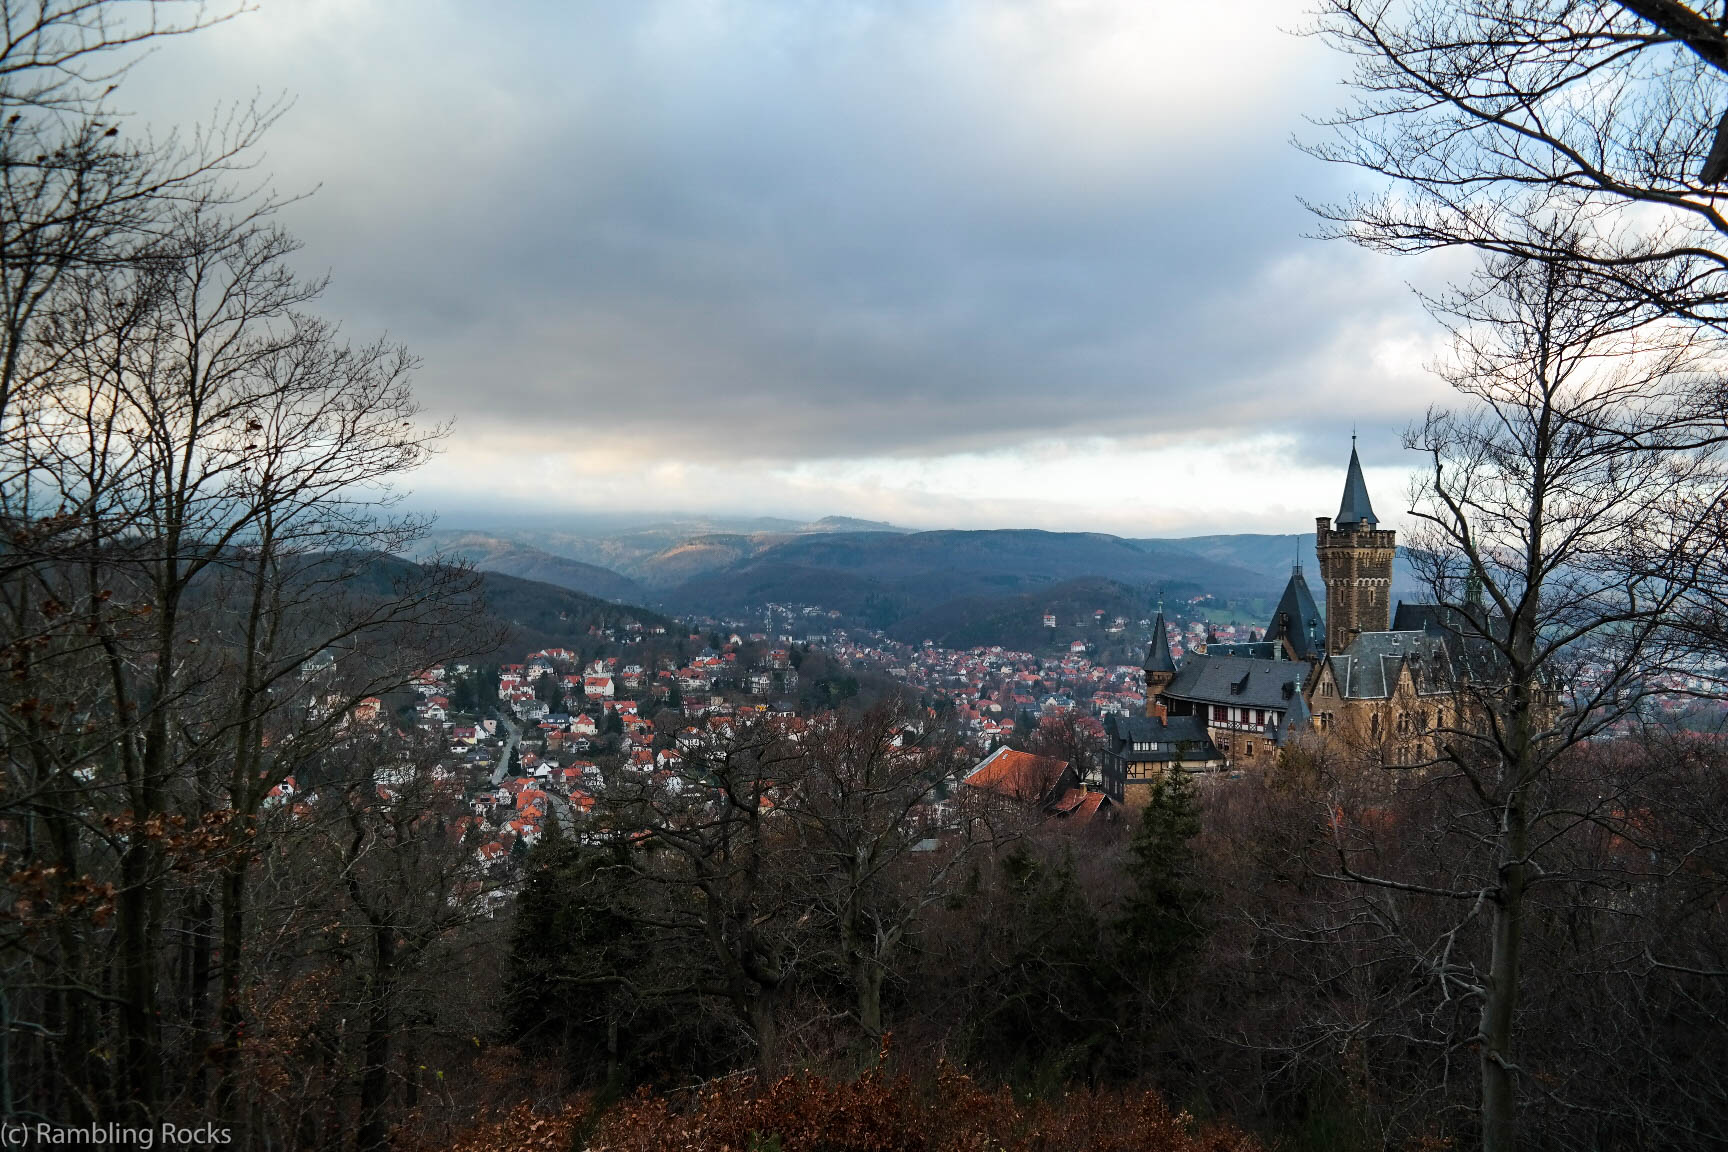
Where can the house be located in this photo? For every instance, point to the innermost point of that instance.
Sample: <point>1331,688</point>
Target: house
<point>1139,749</point>
<point>1041,784</point>
<point>1251,706</point>
<point>1080,808</point>
<point>1021,776</point>
<point>599,687</point>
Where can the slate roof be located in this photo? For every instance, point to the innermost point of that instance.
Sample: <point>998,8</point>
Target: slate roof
<point>1179,738</point>
<point>1158,658</point>
<point>1254,649</point>
<point>1298,620</point>
<point>1238,681</point>
<point>1355,509</point>
<point>1368,669</point>
<point>1473,655</point>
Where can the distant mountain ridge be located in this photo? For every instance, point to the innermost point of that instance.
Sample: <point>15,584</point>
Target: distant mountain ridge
<point>880,579</point>
<point>880,575</point>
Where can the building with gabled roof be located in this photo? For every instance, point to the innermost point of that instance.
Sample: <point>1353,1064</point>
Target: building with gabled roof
<point>1139,749</point>
<point>1022,776</point>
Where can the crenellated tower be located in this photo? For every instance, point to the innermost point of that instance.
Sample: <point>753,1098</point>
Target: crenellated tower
<point>1355,564</point>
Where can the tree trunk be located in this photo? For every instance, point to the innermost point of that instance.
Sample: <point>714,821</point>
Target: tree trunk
<point>1499,1084</point>
<point>138,1016</point>
<point>231,1011</point>
<point>199,947</point>
<point>867,978</point>
<point>765,1024</point>
<point>374,1135</point>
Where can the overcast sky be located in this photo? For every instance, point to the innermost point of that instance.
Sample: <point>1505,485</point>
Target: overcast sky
<point>949,263</point>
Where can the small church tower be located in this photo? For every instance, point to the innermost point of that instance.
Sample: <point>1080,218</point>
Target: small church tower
<point>1160,666</point>
<point>1355,564</point>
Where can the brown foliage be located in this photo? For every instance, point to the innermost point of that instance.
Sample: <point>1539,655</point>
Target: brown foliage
<point>520,1129</point>
<point>881,1113</point>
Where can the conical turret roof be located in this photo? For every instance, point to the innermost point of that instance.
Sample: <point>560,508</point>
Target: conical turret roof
<point>1158,658</point>
<point>1298,620</point>
<point>1355,509</point>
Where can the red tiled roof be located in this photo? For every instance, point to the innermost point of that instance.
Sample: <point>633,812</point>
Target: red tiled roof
<point>1016,774</point>
<point>1078,806</point>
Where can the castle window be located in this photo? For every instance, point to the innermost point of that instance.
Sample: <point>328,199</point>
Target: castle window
<point>1220,713</point>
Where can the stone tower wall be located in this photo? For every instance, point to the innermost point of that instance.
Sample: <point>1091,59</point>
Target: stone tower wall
<point>1356,567</point>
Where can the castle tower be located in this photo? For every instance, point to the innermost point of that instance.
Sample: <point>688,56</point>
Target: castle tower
<point>1355,564</point>
<point>1160,666</point>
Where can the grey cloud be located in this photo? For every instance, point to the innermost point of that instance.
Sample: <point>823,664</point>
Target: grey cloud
<point>799,228</point>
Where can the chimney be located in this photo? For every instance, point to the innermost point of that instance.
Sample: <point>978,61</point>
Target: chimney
<point>1160,710</point>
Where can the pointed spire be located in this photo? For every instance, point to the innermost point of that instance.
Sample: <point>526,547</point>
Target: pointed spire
<point>1355,509</point>
<point>1158,658</point>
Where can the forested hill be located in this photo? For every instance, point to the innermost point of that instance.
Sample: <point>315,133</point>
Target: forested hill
<point>499,554</point>
<point>538,615</point>
<point>516,615</point>
<point>1017,621</point>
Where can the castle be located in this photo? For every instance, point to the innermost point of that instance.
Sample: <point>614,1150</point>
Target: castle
<point>1382,680</point>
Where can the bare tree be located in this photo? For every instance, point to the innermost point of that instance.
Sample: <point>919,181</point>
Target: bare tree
<point>879,842</point>
<point>711,864</point>
<point>197,487</point>
<point>1561,516</point>
<point>77,192</point>
<point>1588,133</point>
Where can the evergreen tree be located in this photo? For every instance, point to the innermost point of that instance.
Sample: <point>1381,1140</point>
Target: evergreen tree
<point>1046,1007</point>
<point>546,690</point>
<point>1159,929</point>
<point>1160,923</point>
<point>591,982</point>
<point>563,947</point>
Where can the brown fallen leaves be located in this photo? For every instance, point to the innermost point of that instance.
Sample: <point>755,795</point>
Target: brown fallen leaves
<point>873,1113</point>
